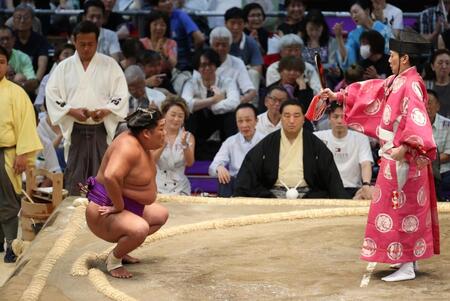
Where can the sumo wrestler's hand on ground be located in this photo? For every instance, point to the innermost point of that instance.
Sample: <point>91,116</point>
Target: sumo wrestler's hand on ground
<point>20,164</point>
<point>105,210</point>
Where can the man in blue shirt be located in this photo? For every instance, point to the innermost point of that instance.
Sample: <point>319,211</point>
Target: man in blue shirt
<point>184,31</point>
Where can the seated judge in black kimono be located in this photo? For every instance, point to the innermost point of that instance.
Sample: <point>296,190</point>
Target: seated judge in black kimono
<point>291,157</point>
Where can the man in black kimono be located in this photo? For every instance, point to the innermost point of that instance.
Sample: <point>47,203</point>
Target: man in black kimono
<point>291,157</point>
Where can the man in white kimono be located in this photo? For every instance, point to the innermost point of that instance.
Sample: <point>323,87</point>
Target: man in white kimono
<point>86,96</point>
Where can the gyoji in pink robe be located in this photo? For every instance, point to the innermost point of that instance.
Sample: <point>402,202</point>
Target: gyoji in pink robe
<point>402,225</point>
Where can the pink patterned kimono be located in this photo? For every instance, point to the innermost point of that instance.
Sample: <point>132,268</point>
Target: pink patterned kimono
<point>402,225</point>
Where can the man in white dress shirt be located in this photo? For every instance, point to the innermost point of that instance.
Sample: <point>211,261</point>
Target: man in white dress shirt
<point>270,120</point>
<point>351,153</point>
<point>86,96</point>
<point>233,67</point>
<point>228,159</point>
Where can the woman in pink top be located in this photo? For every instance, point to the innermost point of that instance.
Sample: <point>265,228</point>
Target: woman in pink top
<point>158,39</point>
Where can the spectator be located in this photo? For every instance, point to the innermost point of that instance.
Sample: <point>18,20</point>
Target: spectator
<point>292,45</point>
<point>433,21</point>
<point>86,95</point>
<point>184,31</point>
<point>317,39</point>
<point>244,46</point>
<point>351,153</point>
<point>19,143</point>
<point>270,120</point>
<point>151,62</point>
<point>108,42</point>
<point>36,22</point>
<point>374,61</point>
<point>131,49</point>
<point>292,78</point>
<point>388,14</point>
<point>294,22</point>
<point>440,66</point>
<point>212,99</point>
<point>140,95</point>
<point>228,159</point>
<point>19,62</point>
<point>360,12</point>
<point>158,39</point>
<point>254,17</point>
<point>178,150</point>
<point>30,42</point>
<point>441,134</point>
<point>114,21</point>
<point>231,66</point>
<point>353,74</point>
<point>52,139</point>
<point>291,157</point>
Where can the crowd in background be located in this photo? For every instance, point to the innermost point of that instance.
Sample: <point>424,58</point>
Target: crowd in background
<point>199,71</point>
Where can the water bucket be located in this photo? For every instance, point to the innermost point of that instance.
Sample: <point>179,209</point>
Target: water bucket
<point>33,216</point>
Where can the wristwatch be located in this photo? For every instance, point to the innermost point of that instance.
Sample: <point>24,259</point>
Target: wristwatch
<point>366,184</point>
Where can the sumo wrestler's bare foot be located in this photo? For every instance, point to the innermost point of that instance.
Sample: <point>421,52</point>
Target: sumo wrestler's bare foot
<point>127,259</point>
<point>120,272</point>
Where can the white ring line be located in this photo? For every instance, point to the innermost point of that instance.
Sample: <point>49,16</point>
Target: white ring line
<point>366,277</point>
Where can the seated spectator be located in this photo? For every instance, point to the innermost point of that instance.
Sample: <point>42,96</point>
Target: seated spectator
<point>140,95</point>
<point>244,46</point>
<point>51,158</point>
<point>108,42</point>
<point>184,31</point>
<point>270,120</point>
<point>114,21</point>
<point>294,22</point>
<point>351,153</point>
<point>67,50</point>
<point>432,22</point>
<point>231,66</point>
<point>289,158</point>
<point>30,42</point>
<point>292,78</point>
<point>254,17</point>
<point>36,22</point>
<point>21,64</point>
<point>349,51</point>
<point>177,152</point>
<point>131,49</point>
<point>158,39</point>
<point>441,134</point>
<point>388,14</point>
<point>292,45</point>
<point>317,39</point>
<point>373,59</point>
<point>151,63</point>
<point>212,99</point>
<point>440,82</point>
<point>228,159</point>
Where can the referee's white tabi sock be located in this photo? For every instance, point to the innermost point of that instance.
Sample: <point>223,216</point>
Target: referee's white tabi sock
<point>405,272</point>
<point>398,265</point>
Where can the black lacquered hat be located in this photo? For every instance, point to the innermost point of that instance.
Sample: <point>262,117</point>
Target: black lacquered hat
<point>410,42</point>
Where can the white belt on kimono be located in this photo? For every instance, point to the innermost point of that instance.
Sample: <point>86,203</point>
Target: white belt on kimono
<point>387,136</point>
<point>402,167</point>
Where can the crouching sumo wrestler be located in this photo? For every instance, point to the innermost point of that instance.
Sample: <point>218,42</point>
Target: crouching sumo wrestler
<point>122,196</point>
